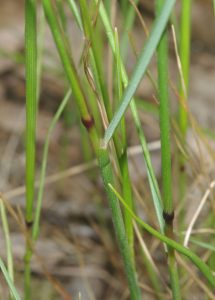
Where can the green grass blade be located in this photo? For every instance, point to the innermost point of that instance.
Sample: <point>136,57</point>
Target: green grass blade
<point>31,79</point>
<point>152,179</point>
<point>89,34</point>
<point>76,14</point>
<point>197,241</point>
<point>107,176</point>
<point>31,109</point>
<point>44,162</point>
<point>141,66</point>
<point>78,19</point>
<point>192,256</point>
<point>9,281</point>
<point>72,74</point>
<point>8,243</point>
<point>164,116</point>
<point>126,184</point>
<point>183,115</point>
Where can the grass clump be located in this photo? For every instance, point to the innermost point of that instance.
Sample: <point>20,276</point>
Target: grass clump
<point>105,124</point>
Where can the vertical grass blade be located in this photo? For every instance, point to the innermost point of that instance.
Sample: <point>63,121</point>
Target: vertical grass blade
<point>183,115</point>
<point>126,184</point>
<point>31,89</point>
<point>89,34</point>
<point>31,107</point>
<point>168,213</point>
<point>43,169</point>
<point>72,74</point>
<point>107,176</point>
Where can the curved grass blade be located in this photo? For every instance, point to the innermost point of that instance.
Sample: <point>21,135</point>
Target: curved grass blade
<point>141,66</point>
<point>192,256</point>
<point>9,281</point>
<point>197,242</point>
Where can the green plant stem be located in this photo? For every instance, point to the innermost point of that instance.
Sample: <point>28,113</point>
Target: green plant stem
<point>44,163</point>
<point>185,62</point>
<point>31,78</point>
<point>89,34</point>
<point>164,113</point>
<point>72,74</point>
<point>126,184</point>
<point>162,52</point>
<point>31,107</point>
<point>106,172</point>
<point>192,256</point>
<point>152,179</point>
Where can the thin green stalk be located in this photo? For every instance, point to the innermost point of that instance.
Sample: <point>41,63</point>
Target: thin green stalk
<point>107,176</point>
<point>168,214</point>
<point>183,117</point>
<point>31,79</point>
<point>126,184</point>
<point>76,14</point>
<point>8,243</point>
<point>94,108</point>
<point>72,74</point>
<point>44,163</point>
<point>31,107</point>
<point>152,179</point>
<point>208,273</point>
<point>9,281</point>
<point>164,113</point>
<point>89,34</point>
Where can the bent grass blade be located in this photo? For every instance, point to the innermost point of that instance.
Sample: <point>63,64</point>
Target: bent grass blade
<point>192,256</point>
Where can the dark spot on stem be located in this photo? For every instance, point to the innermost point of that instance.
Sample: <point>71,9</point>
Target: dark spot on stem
<point>28,224</point>
<point>182,168</point>
<point>88,123</point>
<point>168,217</point>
